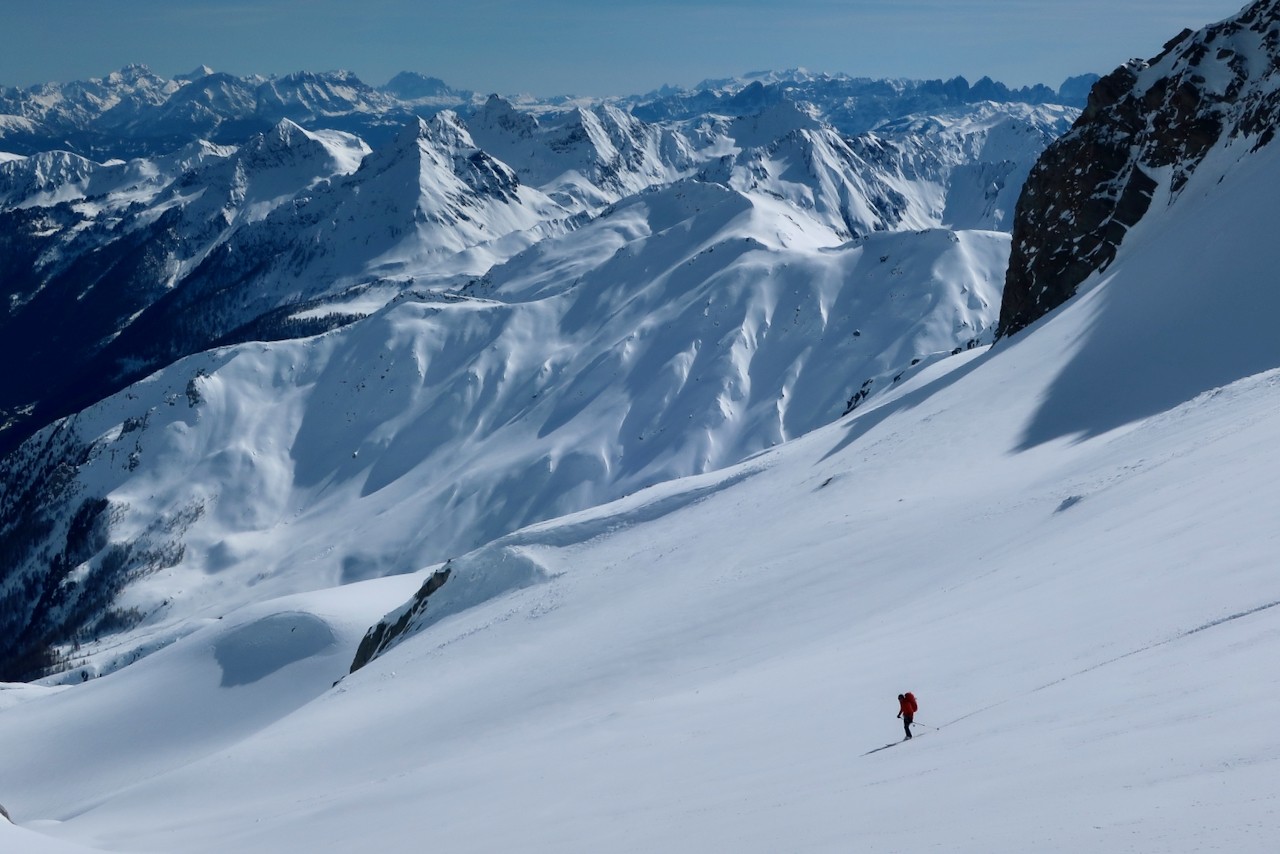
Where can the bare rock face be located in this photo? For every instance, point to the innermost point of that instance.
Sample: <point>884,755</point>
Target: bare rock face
<point>380,637</point>
<point>1146,124</point>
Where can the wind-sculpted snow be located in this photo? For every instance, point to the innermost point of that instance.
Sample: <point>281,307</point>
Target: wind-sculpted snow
<point>478,577</point>
<point>564,304</point>
<point>683,331</point>
<point>256,650</point>
<point>510,563</point>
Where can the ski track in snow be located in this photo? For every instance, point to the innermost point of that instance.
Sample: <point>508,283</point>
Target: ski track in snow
<point>1180,636</point>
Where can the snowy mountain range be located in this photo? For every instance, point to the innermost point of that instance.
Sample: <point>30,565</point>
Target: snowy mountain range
<point>596,473</point>
<point>141,262</point>
<point>693,233</point>
<point>655,255</point>
<point>134,113</point>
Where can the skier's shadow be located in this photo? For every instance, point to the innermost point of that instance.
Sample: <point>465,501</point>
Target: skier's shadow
<point>886,747</point>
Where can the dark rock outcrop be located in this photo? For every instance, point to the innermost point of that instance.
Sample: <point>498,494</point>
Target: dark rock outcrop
<point>491,571</point>
<point>1147,126</point>
<point>389,629</point>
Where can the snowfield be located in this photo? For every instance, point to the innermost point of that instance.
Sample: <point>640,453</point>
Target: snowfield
<point>565,304</point>
<point>1065,545</point>
<point>678,334</point>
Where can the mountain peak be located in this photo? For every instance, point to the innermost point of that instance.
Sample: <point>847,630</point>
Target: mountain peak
<point>197,73</point>
<point>500,114</point>
<point>446,130</point>
<point>773,122</point>
<point>283,134</point>
<point>132,74</point>
<point>412,86</point>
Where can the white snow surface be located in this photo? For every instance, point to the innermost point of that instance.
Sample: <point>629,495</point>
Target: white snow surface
<point>664,302</point>
<point>1065,546</point>
<point>686,330</point>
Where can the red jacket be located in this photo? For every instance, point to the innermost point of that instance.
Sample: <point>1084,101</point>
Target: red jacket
<point>907,705</point>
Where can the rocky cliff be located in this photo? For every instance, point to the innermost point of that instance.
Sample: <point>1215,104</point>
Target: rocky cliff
<point>1146,129</point>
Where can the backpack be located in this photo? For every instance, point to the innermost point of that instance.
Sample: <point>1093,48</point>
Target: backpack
<point>911,701</point>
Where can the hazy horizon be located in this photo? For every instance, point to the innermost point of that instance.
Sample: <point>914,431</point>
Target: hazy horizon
<point>570,47</point>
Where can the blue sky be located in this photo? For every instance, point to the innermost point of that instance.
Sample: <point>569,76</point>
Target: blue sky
<point>592,48</point>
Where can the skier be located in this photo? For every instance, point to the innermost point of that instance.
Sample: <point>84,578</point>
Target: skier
<point>906,710</point>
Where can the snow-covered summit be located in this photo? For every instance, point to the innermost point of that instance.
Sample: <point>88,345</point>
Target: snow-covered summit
<point>45,178</point>
<point>197,73</point>
<point>583,157</point>
<point>311,95</point>
<point>774,121</point>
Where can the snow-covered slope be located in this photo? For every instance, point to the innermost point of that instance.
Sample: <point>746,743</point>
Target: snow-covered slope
<point>584,158</point>
<point>136,264</point>
<point>90,248</point>
<point>686,329</point>
<point>1049,540</point>
<point>962,170</point>
<point>677,297</point>
<point>1064,545</point>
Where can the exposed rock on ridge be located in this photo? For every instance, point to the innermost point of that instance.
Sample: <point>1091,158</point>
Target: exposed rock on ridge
<point>388,630</point>
<point>1147,125</point>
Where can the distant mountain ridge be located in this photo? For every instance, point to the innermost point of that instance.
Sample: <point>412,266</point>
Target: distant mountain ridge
<point>136,113</point>
<point>852,105</point>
